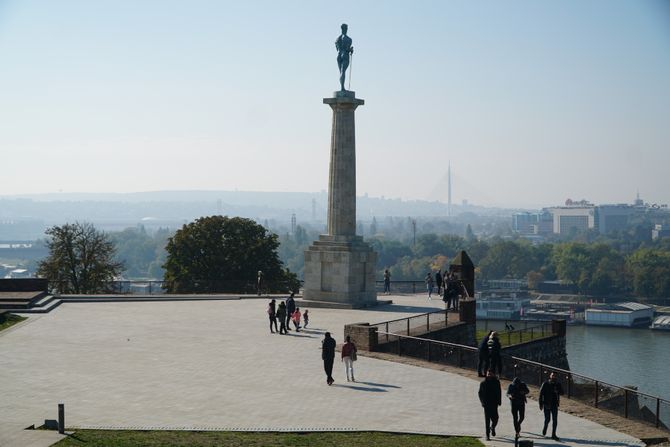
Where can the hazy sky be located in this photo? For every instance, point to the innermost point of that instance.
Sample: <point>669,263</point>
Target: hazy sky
<point>532,101</point>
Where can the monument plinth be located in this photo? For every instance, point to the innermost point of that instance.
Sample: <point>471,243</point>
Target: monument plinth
<point>340,266</point>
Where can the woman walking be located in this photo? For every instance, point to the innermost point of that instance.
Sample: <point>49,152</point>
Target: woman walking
<point>349,357</point>
<point>296,319</point>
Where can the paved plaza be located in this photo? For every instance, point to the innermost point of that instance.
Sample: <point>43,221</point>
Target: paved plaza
<point>214,365</point>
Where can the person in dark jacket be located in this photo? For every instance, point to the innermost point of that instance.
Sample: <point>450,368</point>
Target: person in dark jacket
<point>439,282</point>
<point>517,392</point>
<point>490,398</point>
<point>290,308</point>
<point>550,398</point>
<point>328,356</point>
<point>494,349</point>
<point>281,316</point>
<point>483,364</point>
<point>272,314</point>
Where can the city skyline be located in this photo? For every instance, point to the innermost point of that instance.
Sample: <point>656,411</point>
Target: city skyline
<point>531,103</point>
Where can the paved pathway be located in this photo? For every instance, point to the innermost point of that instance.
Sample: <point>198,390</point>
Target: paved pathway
<point>214,365</point>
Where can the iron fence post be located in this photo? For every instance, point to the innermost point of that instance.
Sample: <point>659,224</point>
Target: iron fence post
<point>520,337</point>
<point>429,343</point>
<point>399,354</point>
<point>515,365</point>
<point>509,338</point>
<point>387,332</point>
<point>539,383</point>
<point>428,322</point>
<point>658,411</point>
<point>596,395</point>
<point>569,386</point>
<point>625,403</point>
<point>532,335</point>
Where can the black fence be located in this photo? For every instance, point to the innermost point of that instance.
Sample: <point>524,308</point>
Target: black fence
<point>623,401</point>
<point>416,324</point>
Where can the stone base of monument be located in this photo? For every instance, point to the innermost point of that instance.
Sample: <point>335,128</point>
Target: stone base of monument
<point>340,270</point>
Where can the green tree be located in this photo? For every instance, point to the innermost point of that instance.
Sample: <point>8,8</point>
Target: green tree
<point>224,254</point>
<point>650,271</point>
<point>81,259</point>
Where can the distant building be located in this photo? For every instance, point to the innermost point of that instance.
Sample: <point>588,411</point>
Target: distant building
<point>622,314</point>
<point>580,217</point>
<point>660,232</point>
<point>501,304</point>
<point>611,218</point>
<point>532,223</point>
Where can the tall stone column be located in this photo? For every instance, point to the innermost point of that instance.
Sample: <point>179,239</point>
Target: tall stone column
<point>340,267</point>
<point>342,175</point>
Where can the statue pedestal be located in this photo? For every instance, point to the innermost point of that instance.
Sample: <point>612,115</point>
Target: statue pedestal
<point>340,267</point>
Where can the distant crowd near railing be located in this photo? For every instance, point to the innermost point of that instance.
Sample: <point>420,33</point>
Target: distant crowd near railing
<point>623,401</point>
<point>155,286</point>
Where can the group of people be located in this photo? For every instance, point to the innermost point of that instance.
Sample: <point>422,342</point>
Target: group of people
<point>489,354</point>
<point>448,287</point>
<point>286,312</point>
<point>348,356</point>
<point>490,398</point>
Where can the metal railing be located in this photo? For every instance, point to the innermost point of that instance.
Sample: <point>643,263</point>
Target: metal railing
<point>406,286</point>
<point>508,337</point>
<point>624,401</point>
<point>156,287</point>
<point>416,324</point>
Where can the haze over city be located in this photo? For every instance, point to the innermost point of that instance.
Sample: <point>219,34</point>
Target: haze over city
<point>531,102</point>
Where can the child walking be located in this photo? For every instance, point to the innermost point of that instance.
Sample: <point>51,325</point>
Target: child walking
<point>296,319</point>
<point>305,318</point>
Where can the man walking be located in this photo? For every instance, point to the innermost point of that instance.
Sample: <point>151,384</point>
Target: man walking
<point>328,356</point>
<point>550,397</point>
<point>517,392</point>
<point>290,309</point>
<point>438,281</point>
<point>490,398</point>
<point>494,347</point>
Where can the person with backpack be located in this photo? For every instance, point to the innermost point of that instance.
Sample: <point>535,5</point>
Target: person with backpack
<point>494,347</point>
<point>517,392</point>
<point>483,364</point>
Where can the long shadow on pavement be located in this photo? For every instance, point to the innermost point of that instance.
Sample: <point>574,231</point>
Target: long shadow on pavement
<point>383,385</point>
<point>361,388</point>
<point>538,439</point>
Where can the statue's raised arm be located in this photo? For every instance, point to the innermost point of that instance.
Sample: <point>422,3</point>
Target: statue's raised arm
<point>344,47</point>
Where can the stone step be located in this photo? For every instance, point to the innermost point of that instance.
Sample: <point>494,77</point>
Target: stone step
<point>50,305</point>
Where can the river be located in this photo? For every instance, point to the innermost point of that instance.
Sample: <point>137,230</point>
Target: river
<point>638,357</point>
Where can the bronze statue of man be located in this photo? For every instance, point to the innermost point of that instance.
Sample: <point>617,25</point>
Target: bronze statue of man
<point>344,49</point>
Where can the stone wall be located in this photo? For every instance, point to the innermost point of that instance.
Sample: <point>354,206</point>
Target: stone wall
<point>549,350</point>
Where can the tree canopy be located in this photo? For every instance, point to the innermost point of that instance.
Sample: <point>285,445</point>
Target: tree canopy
<point>81,259</point>
<point>224,254</point>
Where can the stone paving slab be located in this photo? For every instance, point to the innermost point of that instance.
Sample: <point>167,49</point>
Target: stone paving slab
<point>214,365</point>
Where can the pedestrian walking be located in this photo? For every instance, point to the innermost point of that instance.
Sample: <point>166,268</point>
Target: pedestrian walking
<point>550,398</point>
<point>281,316</point>
<point>328,355</point>
<point>259,282</point>
<point>272,314</point>
<point>387,282</point>
<point>290,308</point>
<point>450,291</point>
<point>517,392</point>
<point>438,281</point>
<point>490,398</point>
<point>429,284</point>
<point>494,348</point>
<point>305,318</point>
<point>483,364</point>
<point>349,357</point>
<point>296,319</point>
